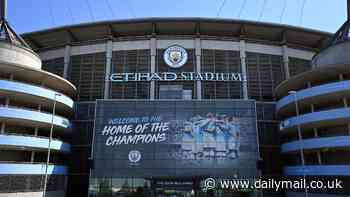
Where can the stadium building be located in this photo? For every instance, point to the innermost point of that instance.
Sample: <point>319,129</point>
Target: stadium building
<point>35,108</point>
<point>163,103</point>
<point>313,107</point>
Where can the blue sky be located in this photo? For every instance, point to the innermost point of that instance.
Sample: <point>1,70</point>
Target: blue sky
<point>33,15</point>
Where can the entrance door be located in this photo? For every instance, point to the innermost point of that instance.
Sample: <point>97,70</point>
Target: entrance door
<point>174,92</point>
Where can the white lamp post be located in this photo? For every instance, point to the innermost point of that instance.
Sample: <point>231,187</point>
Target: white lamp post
<point>50,139</point>
<point>301,149</point>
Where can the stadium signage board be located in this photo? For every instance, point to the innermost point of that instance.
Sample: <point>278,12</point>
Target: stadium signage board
<point>175,56</point>
<point>174,76</point>
<point>175,138</point>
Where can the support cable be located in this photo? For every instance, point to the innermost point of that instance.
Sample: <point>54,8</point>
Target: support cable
<point>70,11</point>
<point>262,10</point>
<point>302,13</point>
<point>110,8</point>
<point>242,8</point>
<point>130,9</point>
<point>90,10</point>
<point>51,13</point>
<point>283,10</point>
<point>220,8</point>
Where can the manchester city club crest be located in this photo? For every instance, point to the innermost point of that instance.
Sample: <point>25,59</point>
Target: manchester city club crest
<point>175,56</point>
<point>134,156</point>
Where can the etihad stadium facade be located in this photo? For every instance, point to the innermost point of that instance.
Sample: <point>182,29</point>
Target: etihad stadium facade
<point>155,99</point>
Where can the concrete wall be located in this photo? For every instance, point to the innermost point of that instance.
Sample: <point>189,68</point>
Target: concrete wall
<point>336,54</point>
<point>10,54</point>
<point>187,43</point>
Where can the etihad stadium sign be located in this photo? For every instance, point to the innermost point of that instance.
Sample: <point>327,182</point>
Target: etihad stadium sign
<point>176,56</point>
<point>174,76</point>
